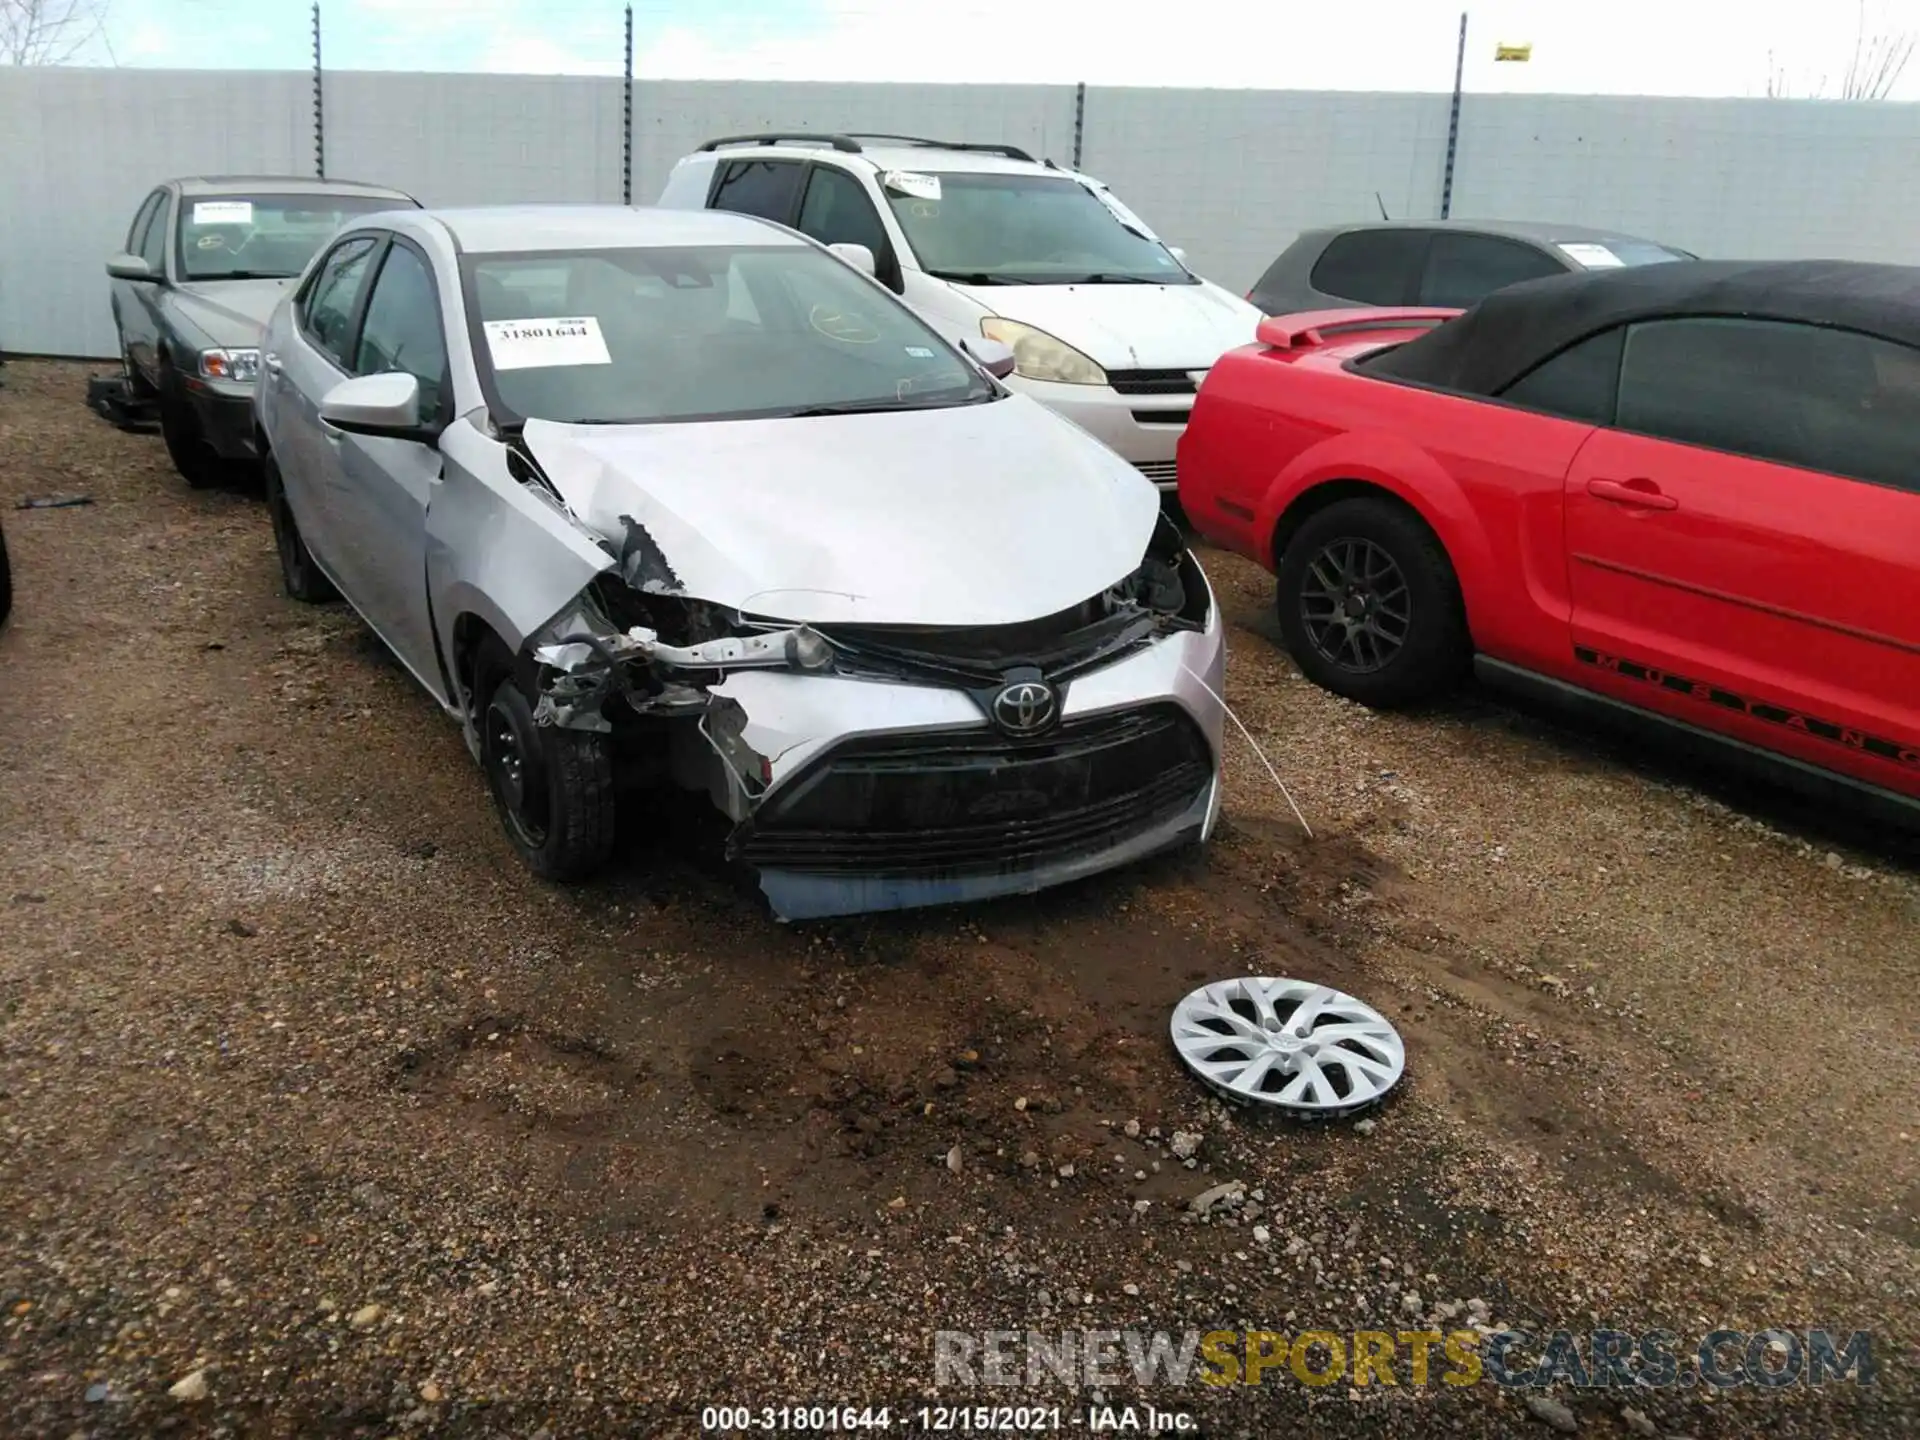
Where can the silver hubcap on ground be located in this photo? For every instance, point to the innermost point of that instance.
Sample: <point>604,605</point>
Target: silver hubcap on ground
<point>1355,605</point>
<point>1304,1049</point>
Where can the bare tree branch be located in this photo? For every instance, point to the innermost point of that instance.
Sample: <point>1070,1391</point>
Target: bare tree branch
<point>1878,60</point>
<point>49,32</point>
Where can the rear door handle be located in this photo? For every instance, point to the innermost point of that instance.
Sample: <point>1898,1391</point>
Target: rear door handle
<point>1637,493</point>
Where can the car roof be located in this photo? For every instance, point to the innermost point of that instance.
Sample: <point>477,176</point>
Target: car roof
<point>886,152</point>
<point>1539,232</point>
<point>204,185</point>
<point>1512,330</point>
<point>495,229</point>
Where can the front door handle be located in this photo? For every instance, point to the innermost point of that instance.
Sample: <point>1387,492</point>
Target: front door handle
<point>274,367</point>
<point>1638,493</point>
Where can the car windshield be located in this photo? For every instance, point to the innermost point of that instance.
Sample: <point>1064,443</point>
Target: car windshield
<point>1019,229</point>
<point>1611,254</point>
<point>263,237</point>
<point>616,337</point>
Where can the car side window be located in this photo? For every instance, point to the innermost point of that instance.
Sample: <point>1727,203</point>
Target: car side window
<point>766,188</point>
<point>837,211</point>
<point>1580,383</point>
<point>402,331</point>
<point>1809,396</point>
<point>143,217</point>
<point>327,310</point>
<point>1462,270</point>
<point>153,245</point>
<point>1375,267</point>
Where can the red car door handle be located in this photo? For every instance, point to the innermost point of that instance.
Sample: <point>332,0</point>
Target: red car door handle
<point>1638,493</point>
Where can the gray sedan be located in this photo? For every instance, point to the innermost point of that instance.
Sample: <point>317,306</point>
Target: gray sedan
<point>206,261</point>
<point>683,497</point>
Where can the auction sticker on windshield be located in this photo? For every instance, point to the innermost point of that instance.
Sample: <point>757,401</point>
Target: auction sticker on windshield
<point>543,343</point>
<point>223,212</point>
<point>914,186</point>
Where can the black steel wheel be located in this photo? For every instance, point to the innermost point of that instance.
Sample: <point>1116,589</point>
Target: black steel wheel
<point>1369,605</point>
<point>552,786</point>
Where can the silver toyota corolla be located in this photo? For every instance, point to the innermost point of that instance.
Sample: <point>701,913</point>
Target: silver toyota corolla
<point>686,495</point>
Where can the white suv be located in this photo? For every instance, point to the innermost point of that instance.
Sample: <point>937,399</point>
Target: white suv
<point>1108,326</point>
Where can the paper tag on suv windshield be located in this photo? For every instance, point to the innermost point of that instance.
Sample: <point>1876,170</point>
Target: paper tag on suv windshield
<point>223,212</point>
<point>535,344</point>
<point>912,185</point>
<point>1594,257</point>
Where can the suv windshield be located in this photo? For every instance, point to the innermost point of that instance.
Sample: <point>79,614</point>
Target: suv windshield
<point>264,237</point>
<point>1014,229</point>
<point>627,337</point>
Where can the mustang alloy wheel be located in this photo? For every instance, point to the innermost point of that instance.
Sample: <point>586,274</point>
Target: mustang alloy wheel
<point>1369,606</point>
<point>1355,605</point>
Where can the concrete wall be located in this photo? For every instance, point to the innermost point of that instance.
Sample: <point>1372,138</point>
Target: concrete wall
<point>1232,175</point>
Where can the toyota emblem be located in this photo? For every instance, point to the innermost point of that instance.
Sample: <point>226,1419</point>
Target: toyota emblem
<point>1025,707</point>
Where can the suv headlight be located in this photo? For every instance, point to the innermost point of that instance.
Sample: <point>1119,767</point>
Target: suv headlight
<point>1039,356</point>
<point>241,367</point>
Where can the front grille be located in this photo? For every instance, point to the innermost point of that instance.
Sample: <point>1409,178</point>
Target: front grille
<point>1161,472</point>
<point>978,802</point>
<point>1162,417</point>
<point>1152,382</point>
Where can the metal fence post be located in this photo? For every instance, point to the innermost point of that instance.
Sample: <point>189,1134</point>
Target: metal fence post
<point>626,121</point>
<point>1453,120</point>
<point>1079,120</point>
<point>319,105</point>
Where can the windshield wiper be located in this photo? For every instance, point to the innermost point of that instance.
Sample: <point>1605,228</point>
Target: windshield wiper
<point>241,275</point>
<point>866,407</point>
<point>982,277</point>
<point>1104,277</point>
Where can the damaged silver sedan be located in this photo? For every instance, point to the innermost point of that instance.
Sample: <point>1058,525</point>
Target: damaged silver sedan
<point>649,497</point>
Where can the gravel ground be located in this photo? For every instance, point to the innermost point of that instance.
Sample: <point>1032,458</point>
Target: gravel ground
<point>320,1109</point>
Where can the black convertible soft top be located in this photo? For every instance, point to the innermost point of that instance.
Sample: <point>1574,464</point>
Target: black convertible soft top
<point>1513,330</point>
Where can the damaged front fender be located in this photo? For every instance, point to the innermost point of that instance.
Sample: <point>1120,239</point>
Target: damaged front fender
<point>499,549</point>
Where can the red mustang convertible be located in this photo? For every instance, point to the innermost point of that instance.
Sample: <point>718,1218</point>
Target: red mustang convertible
<point>1686,495</point>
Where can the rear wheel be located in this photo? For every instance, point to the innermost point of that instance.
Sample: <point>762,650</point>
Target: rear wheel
<point>1369,606</point>
<point>186,446</point>
<point>303,578</point>
<point>552,786</point>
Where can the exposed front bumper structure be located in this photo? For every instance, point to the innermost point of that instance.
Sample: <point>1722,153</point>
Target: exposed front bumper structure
<point>889,796</point>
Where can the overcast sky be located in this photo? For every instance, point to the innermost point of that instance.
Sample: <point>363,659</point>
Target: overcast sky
<point>1651,47</point>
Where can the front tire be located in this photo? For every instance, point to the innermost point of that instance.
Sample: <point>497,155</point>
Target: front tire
<point>1370,607</point>
<point>298,572</point>
<point>186,446</point>
<point>552,786</point>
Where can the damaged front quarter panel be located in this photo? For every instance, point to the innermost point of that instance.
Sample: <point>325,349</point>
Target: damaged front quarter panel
<point>499,549</point>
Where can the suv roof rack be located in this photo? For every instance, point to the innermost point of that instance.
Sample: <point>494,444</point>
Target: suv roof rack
<point>839,142</point>
<point>1012,152</point>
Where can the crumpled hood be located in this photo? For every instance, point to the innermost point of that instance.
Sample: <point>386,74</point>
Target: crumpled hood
<point>1131,327</point>
<point>230,312</point>
<point>982,514</point>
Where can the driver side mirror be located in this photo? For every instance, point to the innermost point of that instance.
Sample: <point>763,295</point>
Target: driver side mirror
<point>993,356</point>
<point>858,256</point>
<point>385,406</point>
<point>130,267</point>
